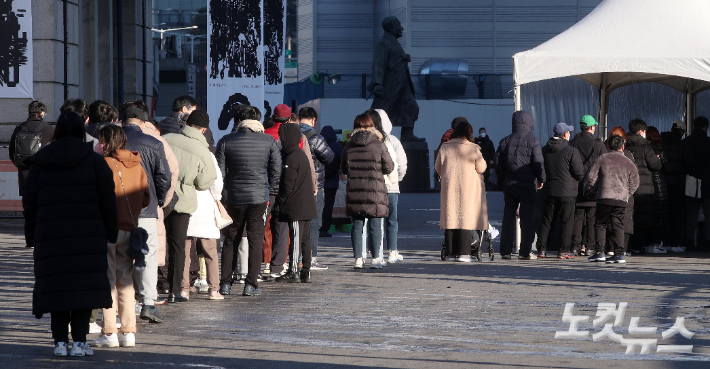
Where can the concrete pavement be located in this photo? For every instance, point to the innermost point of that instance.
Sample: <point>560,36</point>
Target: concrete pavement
<point>422,313</point>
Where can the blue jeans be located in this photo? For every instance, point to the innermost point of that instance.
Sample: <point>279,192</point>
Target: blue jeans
<point>359,236</point>
<point>316,223</point>
<point>392,224</point>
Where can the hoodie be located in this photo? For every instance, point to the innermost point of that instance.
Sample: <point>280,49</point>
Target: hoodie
<point>365,162</point>
<point>519,159</point>
<point>399,157</point>
<point>135,183</point>
<point>295,200</point>
<point>563,167</point>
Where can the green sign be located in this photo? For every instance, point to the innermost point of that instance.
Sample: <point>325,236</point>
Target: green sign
<point>288,53</point>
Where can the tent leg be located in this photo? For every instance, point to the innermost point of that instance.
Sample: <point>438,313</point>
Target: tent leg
<point>603,109</point>
<point>516,92</point>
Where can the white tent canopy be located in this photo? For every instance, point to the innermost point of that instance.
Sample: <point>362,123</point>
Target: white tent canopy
<point>628,41</point>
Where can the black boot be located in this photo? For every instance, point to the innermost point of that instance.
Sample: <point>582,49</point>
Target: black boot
<point>408,135</point>
<point>289,277</point>
<point>306,276</point>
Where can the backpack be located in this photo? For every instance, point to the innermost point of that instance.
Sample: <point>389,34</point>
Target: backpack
<point>27,143</point>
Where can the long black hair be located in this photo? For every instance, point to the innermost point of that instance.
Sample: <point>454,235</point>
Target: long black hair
<point>69,124</point>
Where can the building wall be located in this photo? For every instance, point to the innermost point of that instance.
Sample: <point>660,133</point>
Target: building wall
<point>91,61</point>
<point>486,33</point>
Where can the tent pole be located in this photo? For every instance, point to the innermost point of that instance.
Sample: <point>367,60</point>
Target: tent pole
<point>603,108</point>
<point>689,106</point>
<point>516,92</point>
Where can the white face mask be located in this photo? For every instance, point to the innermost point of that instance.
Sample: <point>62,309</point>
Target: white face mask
<point>643,135</point>
<point>483,134</point>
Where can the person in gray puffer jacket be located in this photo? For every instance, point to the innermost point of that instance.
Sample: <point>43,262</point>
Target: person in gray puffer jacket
<point>614,178</point>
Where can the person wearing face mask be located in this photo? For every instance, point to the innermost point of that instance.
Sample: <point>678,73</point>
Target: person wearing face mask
<point>647,163</point>
<point>564,169</point>
<point>487,149</point>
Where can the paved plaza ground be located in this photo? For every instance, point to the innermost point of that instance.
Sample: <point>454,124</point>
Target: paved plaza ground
<point>422,313</point>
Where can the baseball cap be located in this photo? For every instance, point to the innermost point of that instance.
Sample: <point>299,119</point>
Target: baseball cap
<point>137,113</point>
<point>562,128</point>
<point>588,120</point>
<point>282,111</point>
<point>679,124</point>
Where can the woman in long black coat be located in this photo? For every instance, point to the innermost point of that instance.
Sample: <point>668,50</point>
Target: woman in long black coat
<point>70,214</point>
<point>660,193</point>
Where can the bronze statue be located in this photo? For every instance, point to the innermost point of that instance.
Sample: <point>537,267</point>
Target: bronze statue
<point>391,82</point>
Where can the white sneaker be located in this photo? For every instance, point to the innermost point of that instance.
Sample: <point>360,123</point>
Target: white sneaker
<point>127,339</point>
<point>77,349</point>
<point>377,263</point>
<point>87,350</point>
<point>94,328</point>
<point>464,259</point>
<point>106,340</point>
<point>655,250</point>
<point>677,249</point>
<point>60,349</point>
<point>394,257</point>
<point>359,263</point>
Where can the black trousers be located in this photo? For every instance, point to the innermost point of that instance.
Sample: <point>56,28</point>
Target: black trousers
<point>229,252</point>
<point>691,225</point>
<point>79,320</point>
<point>176,234</point>
<point>610,220</point>
<point>561,208</point>
<point>329,202</point>
<point>457,241</point>
<point>253,216</point>
<point>279,239</point>
<point>300,233</point>
<point>583,232</point>
<point>675,228</point>
<point>527,224</point>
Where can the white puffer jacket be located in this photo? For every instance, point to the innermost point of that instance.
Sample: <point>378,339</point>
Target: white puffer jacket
<point>396,151</point>
<point>202,221</point>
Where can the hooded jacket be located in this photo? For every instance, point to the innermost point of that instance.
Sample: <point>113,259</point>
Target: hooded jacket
<point>135,183</point>
<point>155,165</point>
<point>365,162</point>
<point>519,159</point>
<point>673,168</point>
<point>295,200</point>
<point>396,151</point>
<point>332,170</point>
<point>197,170</point>
<point>696,151</point>
<point>250,162</point>
<point>321,152</point>
<point>646,161</point>
<point>70,214</point>
<point>274,132</point>
<point>563,167</point>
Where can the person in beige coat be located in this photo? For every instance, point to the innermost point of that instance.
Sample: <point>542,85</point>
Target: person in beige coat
<point>460,165</point>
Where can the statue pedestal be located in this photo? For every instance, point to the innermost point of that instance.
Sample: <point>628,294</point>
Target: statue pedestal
<point>417,177</point>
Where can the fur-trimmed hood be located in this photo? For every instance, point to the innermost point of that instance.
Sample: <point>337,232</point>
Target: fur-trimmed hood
<point>365,136</point>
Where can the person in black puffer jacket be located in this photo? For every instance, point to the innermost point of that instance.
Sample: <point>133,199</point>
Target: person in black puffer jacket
<point>520,173</point>
<point>647,163</point>
<point>296,203</point>
<point>674,173</point>
<point>365,162</point>
<point>696,151</point>
<point>250,161</point>
<point>182,107</point>
<point>660,190</point>
<point>590,149</point>
<point>564,170</point>
<point>70,214</point>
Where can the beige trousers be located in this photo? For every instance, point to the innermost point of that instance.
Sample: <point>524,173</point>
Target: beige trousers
<point>209,246</point>
<point>120,276</point>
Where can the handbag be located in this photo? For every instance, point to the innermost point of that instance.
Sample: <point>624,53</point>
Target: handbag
<point>222,218</point>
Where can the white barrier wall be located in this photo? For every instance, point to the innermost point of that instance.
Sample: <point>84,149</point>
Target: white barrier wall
<point>435,117</point>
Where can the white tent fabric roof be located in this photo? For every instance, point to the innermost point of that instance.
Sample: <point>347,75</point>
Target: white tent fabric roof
<point>630,41</point>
